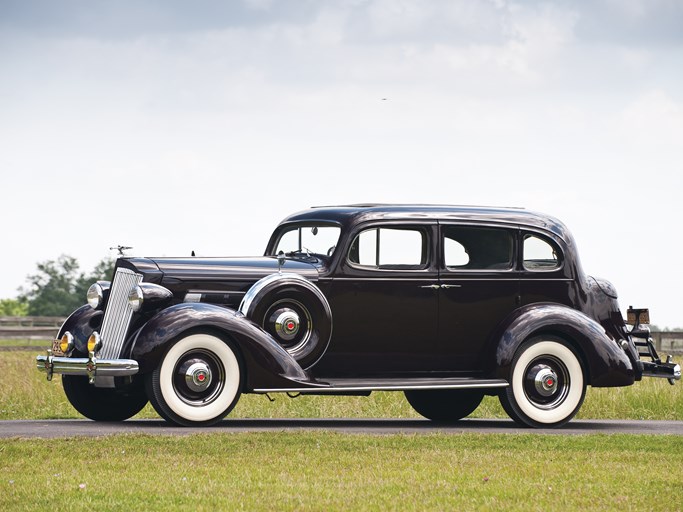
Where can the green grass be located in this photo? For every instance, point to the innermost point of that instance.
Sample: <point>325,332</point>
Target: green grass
<point>326,471</point>
<point>39,344</point>
<point>25,394</point>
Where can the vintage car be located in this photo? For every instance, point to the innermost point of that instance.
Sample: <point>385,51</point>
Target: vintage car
<point>445,303</point>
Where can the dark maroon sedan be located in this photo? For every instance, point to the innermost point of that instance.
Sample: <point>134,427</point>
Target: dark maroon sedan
<point>444,303</point>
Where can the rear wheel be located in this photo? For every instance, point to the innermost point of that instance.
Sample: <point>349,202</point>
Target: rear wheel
<point>445,404</point>
<point>197,382</point>
<point>103,404</point>
<point>547,385</point>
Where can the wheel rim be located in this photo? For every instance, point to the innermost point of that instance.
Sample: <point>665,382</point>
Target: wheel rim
<point>546,382</point>
<point>291,324</point>
<point>198,377</point>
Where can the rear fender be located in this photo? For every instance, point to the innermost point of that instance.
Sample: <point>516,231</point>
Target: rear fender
<point>267,364</point>
<point>605,362</point>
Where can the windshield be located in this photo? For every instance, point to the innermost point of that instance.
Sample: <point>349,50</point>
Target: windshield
<point>307,240</point>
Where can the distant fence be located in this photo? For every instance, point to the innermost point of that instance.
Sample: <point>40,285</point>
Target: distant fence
<point>46,327</point>
<point>30,327</point>
<point>668,342</point>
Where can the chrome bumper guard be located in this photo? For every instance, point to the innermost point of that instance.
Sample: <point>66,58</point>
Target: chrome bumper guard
<point>88,366</point>
<point>667,370</point>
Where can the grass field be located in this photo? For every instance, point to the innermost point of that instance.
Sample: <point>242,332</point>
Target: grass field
<point>325,471</point>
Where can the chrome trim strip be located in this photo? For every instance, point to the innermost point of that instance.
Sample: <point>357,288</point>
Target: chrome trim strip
<point>84,366</point>
<point>396,387</point>
<point>429,278</point>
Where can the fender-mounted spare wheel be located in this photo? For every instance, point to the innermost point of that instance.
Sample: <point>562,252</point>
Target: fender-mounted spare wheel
<point>294,312</point>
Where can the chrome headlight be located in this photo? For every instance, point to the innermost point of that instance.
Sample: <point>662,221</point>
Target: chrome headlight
<point>95,295</point>
<point>94,342</point>
<point>136,298</point>
<point>66,343</point>
<point>149,296</point>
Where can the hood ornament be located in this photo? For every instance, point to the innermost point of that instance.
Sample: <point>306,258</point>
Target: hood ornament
<point>120,249</point>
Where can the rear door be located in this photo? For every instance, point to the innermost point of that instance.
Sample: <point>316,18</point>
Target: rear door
<point>479,289</point>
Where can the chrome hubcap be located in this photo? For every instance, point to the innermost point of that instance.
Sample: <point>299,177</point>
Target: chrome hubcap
<point>198,376</point>
<point>287,324</point>
<point>546,382</point>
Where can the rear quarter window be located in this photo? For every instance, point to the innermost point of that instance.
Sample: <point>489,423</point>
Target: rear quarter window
<point>540,254</point>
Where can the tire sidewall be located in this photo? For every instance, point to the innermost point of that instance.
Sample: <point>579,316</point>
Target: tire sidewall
<point>445,405</point>
<point>167,399</point>
<point>103,404</point>
<point>519,402</point>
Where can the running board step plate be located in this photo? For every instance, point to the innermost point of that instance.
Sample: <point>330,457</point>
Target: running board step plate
<point>361,385</point>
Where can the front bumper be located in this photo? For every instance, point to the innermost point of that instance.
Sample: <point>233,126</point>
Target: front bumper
<point>87,366</point>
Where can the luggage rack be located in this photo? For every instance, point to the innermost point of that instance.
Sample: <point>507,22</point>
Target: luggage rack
<point>640,334</point>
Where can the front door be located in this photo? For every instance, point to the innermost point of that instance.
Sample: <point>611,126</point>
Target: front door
<point>384,303</point>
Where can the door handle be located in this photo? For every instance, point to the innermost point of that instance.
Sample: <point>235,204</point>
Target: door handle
<point>432,286</point>
<point>447,286</point>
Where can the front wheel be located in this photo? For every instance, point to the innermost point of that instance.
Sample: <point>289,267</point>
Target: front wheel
<point>103,404</point>
<point>197,382</point>
<point>444,404</point>
<point>547,385</point>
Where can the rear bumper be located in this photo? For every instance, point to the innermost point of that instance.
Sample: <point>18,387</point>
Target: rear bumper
<point>667,370</point>
<point>86,366</point>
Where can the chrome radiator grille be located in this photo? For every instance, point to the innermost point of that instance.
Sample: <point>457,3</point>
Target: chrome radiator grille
<point>118,314</point>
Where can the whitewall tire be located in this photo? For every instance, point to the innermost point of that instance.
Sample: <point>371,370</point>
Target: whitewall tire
<point>197,382</point>
<point>547,383</point>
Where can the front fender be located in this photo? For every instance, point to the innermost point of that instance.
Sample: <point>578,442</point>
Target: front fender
<point>267,364</point>
<point>606,362</point>
<point>81,323</point>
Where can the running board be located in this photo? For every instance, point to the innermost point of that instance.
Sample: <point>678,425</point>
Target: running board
<point>365,385</point>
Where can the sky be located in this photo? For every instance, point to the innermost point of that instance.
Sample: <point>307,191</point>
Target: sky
<point>174,126</point>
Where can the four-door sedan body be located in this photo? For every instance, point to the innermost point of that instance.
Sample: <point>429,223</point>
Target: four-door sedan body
<point>445,303</point>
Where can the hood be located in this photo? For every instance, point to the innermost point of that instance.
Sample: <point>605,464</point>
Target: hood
<point>229,269</point>
<point>215,280</point>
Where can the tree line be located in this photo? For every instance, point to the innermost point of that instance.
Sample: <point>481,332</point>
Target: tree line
<point>56,288</point>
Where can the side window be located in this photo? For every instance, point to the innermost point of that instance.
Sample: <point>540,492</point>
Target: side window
<point>389,248</point>
<point>474,248</point>
<point>540,254</point>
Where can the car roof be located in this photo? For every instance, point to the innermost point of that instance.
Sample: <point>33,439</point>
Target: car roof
<point>348,215</point>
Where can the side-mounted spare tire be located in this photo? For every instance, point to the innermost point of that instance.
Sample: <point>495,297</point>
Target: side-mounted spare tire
<point>294,312</point>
